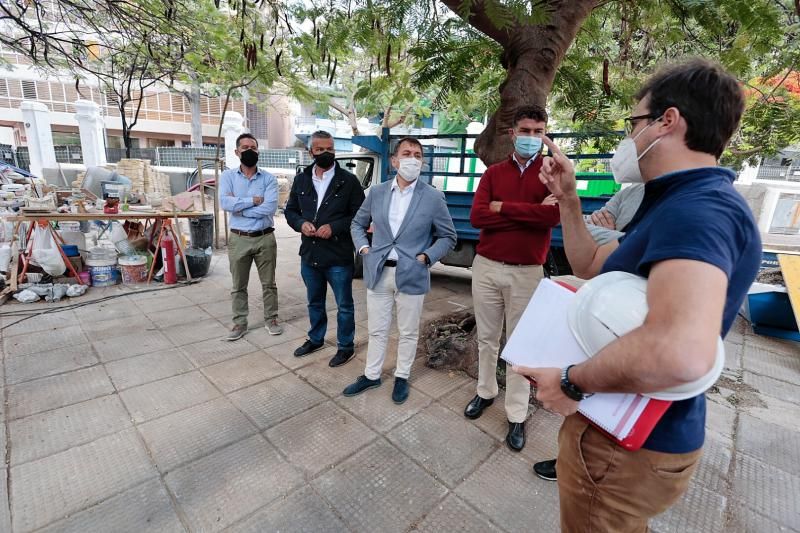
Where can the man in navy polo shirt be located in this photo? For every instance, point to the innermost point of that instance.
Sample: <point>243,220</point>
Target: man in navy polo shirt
<point>696,241</point>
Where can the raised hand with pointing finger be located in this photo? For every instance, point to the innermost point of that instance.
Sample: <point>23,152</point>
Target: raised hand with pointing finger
<point>558,173</point>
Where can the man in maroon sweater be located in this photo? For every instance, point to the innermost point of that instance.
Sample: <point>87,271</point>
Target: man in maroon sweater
<point>515,222</point>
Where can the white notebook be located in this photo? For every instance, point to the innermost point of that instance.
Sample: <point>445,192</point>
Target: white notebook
<point>542,339</point>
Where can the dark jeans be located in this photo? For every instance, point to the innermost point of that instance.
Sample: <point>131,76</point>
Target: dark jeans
<point>340,279</point>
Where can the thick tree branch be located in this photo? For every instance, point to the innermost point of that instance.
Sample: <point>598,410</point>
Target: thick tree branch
<point>479,20</point>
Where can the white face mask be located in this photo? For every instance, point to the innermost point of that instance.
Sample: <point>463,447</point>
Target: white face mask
<point>409,168</point>
<point>625,163</point>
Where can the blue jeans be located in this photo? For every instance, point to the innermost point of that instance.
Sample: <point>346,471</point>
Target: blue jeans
<point>340,279</point>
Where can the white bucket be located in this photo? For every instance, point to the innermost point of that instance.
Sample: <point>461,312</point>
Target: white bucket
<point>104,272</point>
<point>133,269</point>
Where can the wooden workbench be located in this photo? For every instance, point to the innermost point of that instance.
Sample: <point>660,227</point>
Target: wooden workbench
<point>46,218</point>
<point>122,215</point>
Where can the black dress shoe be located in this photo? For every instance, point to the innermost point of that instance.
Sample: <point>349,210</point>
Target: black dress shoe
<point>361,384</point>
<point>546,470</point>
<point>516,436</point>
<point>307,348</point>
<point>341,357</point>
<point>400,392</point>
<point>476,406</point>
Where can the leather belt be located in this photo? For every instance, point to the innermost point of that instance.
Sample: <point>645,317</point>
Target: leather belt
<point>252,233</point>
<point>390,263</point>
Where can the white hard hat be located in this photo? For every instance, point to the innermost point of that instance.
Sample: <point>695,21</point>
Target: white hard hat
<point>614,304</point>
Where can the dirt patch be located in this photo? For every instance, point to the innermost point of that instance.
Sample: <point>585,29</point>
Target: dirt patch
<point>736,392</point>
<point>450,343</point>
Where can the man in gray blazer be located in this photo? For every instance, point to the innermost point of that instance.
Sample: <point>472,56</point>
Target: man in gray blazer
<point>412,230</point>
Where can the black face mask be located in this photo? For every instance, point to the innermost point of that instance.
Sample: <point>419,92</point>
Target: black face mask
<point>249,158</point>
<point>325,160</point>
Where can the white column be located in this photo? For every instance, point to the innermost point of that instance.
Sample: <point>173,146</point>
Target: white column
<point>90,124</point>
<point>39,135</point>
<point>232,127</point>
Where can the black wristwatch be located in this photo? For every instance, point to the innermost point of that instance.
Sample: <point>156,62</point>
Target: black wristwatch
<point>570,389</point>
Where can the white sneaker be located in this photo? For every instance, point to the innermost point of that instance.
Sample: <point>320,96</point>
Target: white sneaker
<point>273,327</point>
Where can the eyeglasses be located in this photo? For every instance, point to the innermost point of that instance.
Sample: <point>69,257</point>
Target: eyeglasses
<point>630,122</point>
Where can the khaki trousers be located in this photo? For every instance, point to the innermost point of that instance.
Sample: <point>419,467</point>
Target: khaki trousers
<point>243,252</point>
<point>603,487</point>
<point>501,292</point>
<point>380,303</point>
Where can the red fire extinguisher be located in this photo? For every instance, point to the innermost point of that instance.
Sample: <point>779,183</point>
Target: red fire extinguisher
<point>168,259</point>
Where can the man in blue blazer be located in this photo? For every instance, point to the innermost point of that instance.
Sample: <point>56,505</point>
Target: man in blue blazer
<point>412,230</point>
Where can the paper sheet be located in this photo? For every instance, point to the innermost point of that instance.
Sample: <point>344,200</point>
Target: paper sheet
<point>542,339</point>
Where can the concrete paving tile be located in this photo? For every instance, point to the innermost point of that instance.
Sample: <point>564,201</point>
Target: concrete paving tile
<point>712,471</point>
<point>541,434</point>
<point>220,309</point>
<point>118,327</point>
<point>51,362</point>
<point>53,340</point>
<point>698,511</point>
<point>216,350</point>
<point>121,307</point>
<point>332,381</point>
<point>445,444</point>
<point>744,519</point>
<point>772,444</point>
<point>789,392</point>
<point>243,371</point>
<point>186,435</point>
<point>379,412</point>
<point>52,392</point>
<point>778,346</point>
<point>766,363</point>
<point>163,302</point>
<point>131,345</point>
<point>733,355</point>
<point>276,400</point>
<point>46,323</point>
<point>320,437</point>
<point>720,418</point>
<point>493,420</point>
<point>505,490</point>
<point>59,485</point>
<point>160,398</point>
<point>133,371</point>
<point>206,294</point>
<point>454,515</point>
<point>436,383</point>
<point>767,490</point>
<point>5,514</point>
<point>259,336</point>
<point>380,477</point>
<point>53,431</point>
<point>175,317</point>
<point>774,411</point>
<point>195,332</point>
<point>145,508</point>
<point>284,354</point>
<point>219,489</point>
<point>300,512</point>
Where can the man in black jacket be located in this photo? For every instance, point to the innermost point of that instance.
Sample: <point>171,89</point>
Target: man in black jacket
<point>323,200</point>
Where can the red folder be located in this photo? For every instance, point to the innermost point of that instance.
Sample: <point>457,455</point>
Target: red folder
<point>641,430</point>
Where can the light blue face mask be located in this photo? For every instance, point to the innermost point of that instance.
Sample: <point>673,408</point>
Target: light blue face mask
<point>527,146</point>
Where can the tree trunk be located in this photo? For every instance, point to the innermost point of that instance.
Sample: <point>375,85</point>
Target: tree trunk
<point>126,132</point>
<point>197,121</point>
<point>532,54</point>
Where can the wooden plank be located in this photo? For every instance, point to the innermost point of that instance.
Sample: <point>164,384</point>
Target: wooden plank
<point>790,268</point>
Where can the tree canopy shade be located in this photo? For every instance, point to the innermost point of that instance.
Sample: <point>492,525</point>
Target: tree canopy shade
<point>399,59</point>
<point>584,59</point>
